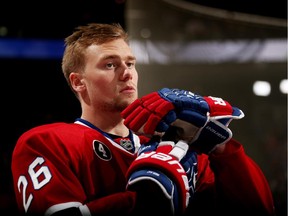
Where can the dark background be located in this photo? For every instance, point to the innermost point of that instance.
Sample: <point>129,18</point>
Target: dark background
<point>49,19</point>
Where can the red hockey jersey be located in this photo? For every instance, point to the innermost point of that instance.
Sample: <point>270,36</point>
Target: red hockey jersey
<point>61,165</point>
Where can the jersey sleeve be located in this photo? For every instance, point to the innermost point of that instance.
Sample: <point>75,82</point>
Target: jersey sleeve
<point>233,180</point>
<point>40,169</point>
<point>61,166</point>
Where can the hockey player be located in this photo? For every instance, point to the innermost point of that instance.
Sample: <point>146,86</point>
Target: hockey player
<point>170,152</point>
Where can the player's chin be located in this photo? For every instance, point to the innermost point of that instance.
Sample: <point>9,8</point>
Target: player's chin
<point>129,97</point>
<point>125,102</point>
<point>129,101</point>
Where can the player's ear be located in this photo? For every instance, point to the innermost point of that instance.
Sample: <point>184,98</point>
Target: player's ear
<point>76,81</point>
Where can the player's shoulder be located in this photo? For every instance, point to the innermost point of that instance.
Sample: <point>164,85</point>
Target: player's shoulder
<point>50,127</point>
<point>52,136</point>
<point>52,130</point>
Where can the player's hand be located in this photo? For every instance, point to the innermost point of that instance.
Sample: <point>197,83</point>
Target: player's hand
<point>154,113</point>
<point>189,161</point>
<point>215,131</point>
<point>158,168</point>
<point>201,121</point>
<point>150,114</point>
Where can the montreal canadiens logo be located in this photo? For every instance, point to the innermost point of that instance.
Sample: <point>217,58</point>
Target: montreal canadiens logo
<point>101,150</point>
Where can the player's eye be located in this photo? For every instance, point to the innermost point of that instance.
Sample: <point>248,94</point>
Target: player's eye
<point>130,65</point>
<point>110,65</point>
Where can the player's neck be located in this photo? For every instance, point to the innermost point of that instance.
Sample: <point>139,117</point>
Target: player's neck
<point>112,124</point>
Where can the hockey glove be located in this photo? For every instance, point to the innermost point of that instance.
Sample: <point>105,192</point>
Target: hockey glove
<point>215,132</point>
<point>189,161</point>
<point>154,113</point>
<point>146,114</point>
<point>157,168</point>
<point>201,121</point>
<point>190,165</point>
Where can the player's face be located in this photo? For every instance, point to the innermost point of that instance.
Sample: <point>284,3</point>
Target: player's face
<point>110,76</point>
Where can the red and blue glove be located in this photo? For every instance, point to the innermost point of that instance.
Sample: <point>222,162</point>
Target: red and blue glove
<point>161,170</point>
<point>149,114</point>
<point>190,165</point>
<point>201,121</point>
<point>215,132</point>
<point>153,114</point>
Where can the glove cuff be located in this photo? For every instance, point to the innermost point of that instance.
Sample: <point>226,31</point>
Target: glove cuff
<point>155,186</point>
<point>214,133</point>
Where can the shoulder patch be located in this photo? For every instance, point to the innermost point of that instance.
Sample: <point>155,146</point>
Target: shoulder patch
<point>101,150</point>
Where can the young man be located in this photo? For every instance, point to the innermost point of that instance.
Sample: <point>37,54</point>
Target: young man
<point>101,165</point>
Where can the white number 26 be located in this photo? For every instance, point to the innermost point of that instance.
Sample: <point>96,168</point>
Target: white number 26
<point>35,171</point>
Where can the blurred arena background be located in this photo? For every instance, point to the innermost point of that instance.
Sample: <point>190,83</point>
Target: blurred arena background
<point>216,48</point>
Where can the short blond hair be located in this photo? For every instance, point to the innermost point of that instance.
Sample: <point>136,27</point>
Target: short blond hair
<point>84,36</point>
